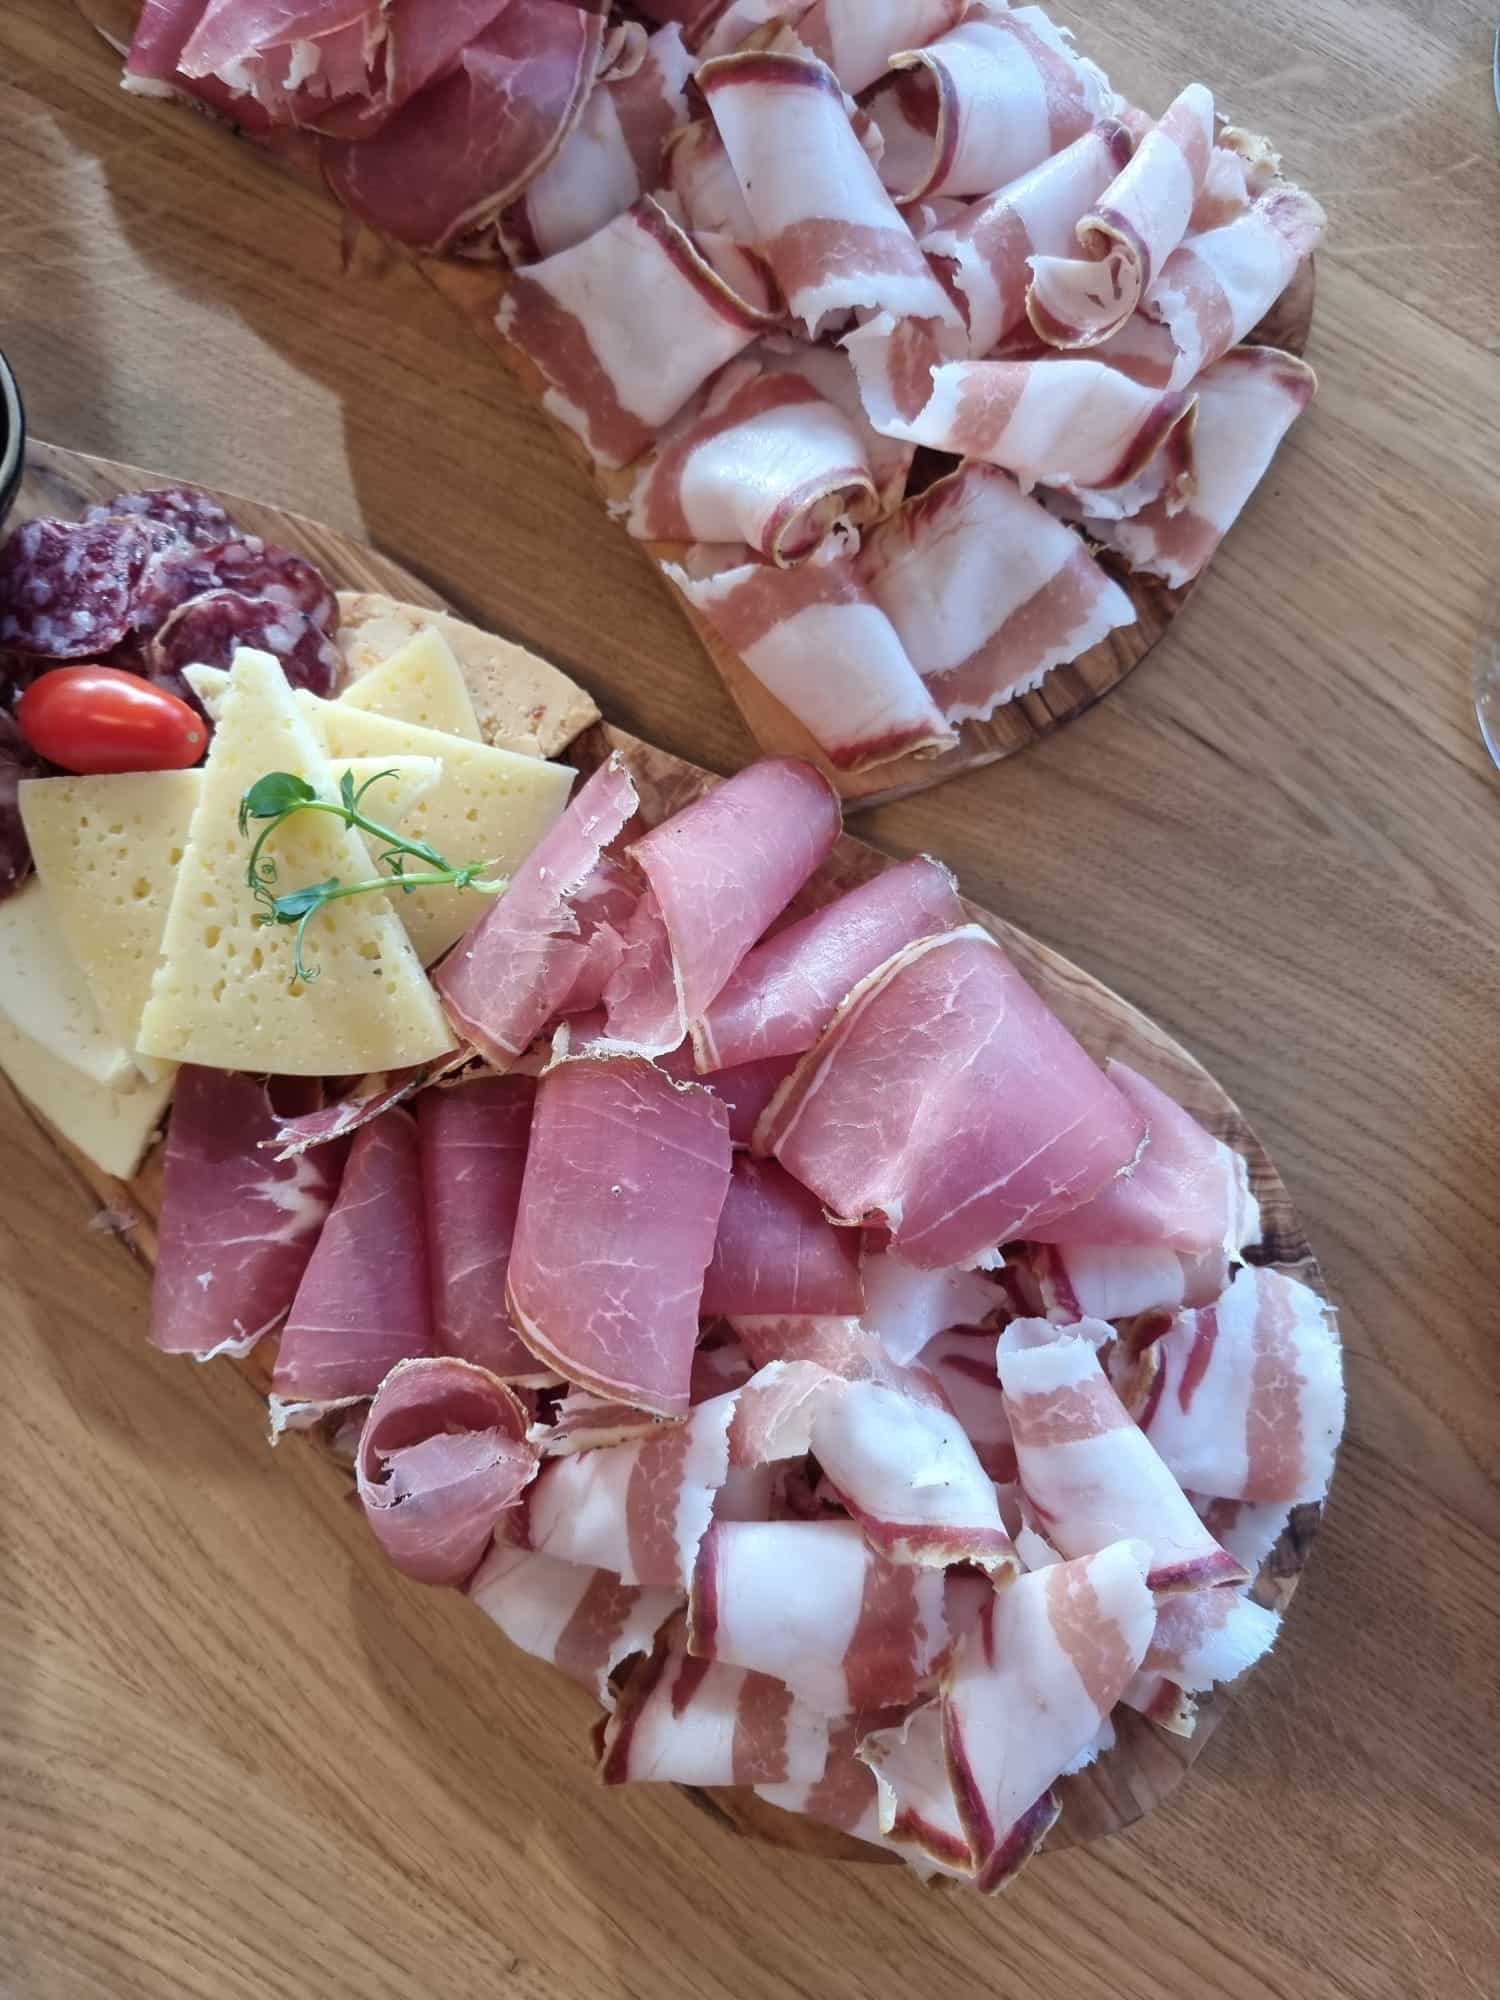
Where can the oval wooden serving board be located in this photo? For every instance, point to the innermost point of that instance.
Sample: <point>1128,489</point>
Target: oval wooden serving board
<point>475,290</point>
<point>1146,1762</point>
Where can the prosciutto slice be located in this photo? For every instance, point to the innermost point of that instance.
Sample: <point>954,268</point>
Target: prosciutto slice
<point>584,1622</point>
<point>785,993</point>
<point>473,1141</point>
<point>1249,1401</point>
<point>442,1455</point>
<point>370,1096</point>
<point>717,874</point>
<point>857,38</point>
<point>1066,419</point>
<point>504,981</point>
<point>816,639</point>
<point>984,103</point>
<point>1089,1474</point>
<point>1127,236</point>
<point>363,1303</point>
<point>777,1253</point>
<point>811,1604</point>
<point>987,591</point>
<point>766,461</point>
<point>947,1103</point>
<point>829,230</point>
<point>237,1227</point>
<point>609,376</point>
<point>625,1178</point>
<point>984,253</point>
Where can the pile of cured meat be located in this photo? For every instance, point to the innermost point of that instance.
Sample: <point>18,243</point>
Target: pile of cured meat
<point>786,1328</point>
<point>768,254</point>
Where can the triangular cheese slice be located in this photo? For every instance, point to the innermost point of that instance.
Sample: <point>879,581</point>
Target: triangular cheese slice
<point>44,994</point>
<point>423,684</point>
<point>112,1128</point>
<point>224,993</point>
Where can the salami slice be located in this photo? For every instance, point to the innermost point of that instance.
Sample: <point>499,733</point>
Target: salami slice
<point>245,565</point>
<point>176,515</point>
<point>17,761</point>
<point>210,628</point>
<point>68,588</point>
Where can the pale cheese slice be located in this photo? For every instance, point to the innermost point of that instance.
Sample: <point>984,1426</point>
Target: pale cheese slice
<point>44,994</point>
<point>113,1128</point>
<point>421,683</point>
<point>108,850</point>
<point>224,993</point>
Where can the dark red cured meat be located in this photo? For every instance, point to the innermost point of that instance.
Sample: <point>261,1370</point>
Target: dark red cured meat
<point>188,515</point>
<point>245,564</point>
<point>17,761</point>
<point>777,1253</point>
<point>68,588</point>
<point>208,631</point>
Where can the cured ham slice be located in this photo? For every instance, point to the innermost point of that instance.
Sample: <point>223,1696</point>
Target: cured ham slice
<point>1089,1474</point>
<point>503,983</point>
<point>947,1103</point>
<point>1067,419</point>
<point>447,164</point>
<point>1247,402</point>
<point>612,158</point>
<point>473,1142</point>
<point>811,1604</point>
<point>237,1227</point>
<point>785,993</point>
<point>717,874</point>
<point>906,1306</point>
<point>583,1621</point>
<point>370,1096</point>
<point>829,230</point>
<point>424,41</point>
<point>777,1253</point>
<point>984,254</point>
<point>1249,1401</point>
<point>692,1722</point>
<point>609,376</point>
<point>843,1347</point>
<point>1219,285</point>
<point>983,104</point>
<point>857,38</point>
<point>987,591</point>
<point>1129,233</point>
<point>442,1455</point>
<point>363,1304</point>
<point>767,461</point>
<point>625,1177</point>
<point>746,1090</point>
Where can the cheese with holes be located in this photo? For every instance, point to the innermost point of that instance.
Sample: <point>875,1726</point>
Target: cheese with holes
<point>421,683</point>
<point>44,994</point>
<point>112,1128</point>
<point>224,993</point>
<point>108,850</point>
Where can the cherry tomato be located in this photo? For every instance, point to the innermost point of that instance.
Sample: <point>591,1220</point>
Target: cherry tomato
<point>100,719</point>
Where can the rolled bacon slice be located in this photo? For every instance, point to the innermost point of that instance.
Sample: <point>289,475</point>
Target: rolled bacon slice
<point>984,254</point>
<point>584,1622</point>
<point>947,1103</point>
<point>776,1252</point>
<point>787,990</point>
<point>1089,1474</point>
<point>766,461</point>
<point>504,981</point>
<point>1127,236</point>
<point>815,638</point>
<point>1249,1401</point>
<point>844,1796</point>
<point>237,1227</point>
<point>987,591</point>
<point>962,1361</point>
<point>442,1456</point>
<point>983,104</point>
<point>831,373</point>
<point>917,1810</point>
<point>608,374</point>
<point>1119,1281</point>
<point>829,230</point>
<point>625,1177</point>
<point>1203,1637</point>
<point>905,1307</point>
<point>857,38</point>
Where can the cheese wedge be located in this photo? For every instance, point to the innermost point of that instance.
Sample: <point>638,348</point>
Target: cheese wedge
<point>113,1128</point>
<point>108,850</point>
<point>421,683</point>
<point>225,993</point>
<point>44,994</point>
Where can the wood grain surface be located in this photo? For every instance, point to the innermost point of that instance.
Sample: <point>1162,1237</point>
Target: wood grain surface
<point>237,1757</point>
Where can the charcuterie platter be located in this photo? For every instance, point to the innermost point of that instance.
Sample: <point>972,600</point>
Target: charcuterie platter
<point>1158,1359</point>
<point>896,594</point>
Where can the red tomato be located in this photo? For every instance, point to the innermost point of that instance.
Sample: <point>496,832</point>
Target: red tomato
<point>101,719</point>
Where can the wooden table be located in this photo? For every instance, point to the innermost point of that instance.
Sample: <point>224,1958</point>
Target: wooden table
<point>241,1757</point>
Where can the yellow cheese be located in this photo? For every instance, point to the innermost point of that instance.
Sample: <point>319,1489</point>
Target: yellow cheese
<point>108,851</point>
<point>422,683</point>
<point>224,993</point>
<point>44,994</point>
<point>112,1128</point>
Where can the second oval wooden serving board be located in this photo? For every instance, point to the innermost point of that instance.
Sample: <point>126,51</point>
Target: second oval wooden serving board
<point>475,290</point>
<point>1146,1763</point>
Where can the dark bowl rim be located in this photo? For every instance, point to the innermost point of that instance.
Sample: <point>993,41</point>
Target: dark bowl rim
<point>13,458</point>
